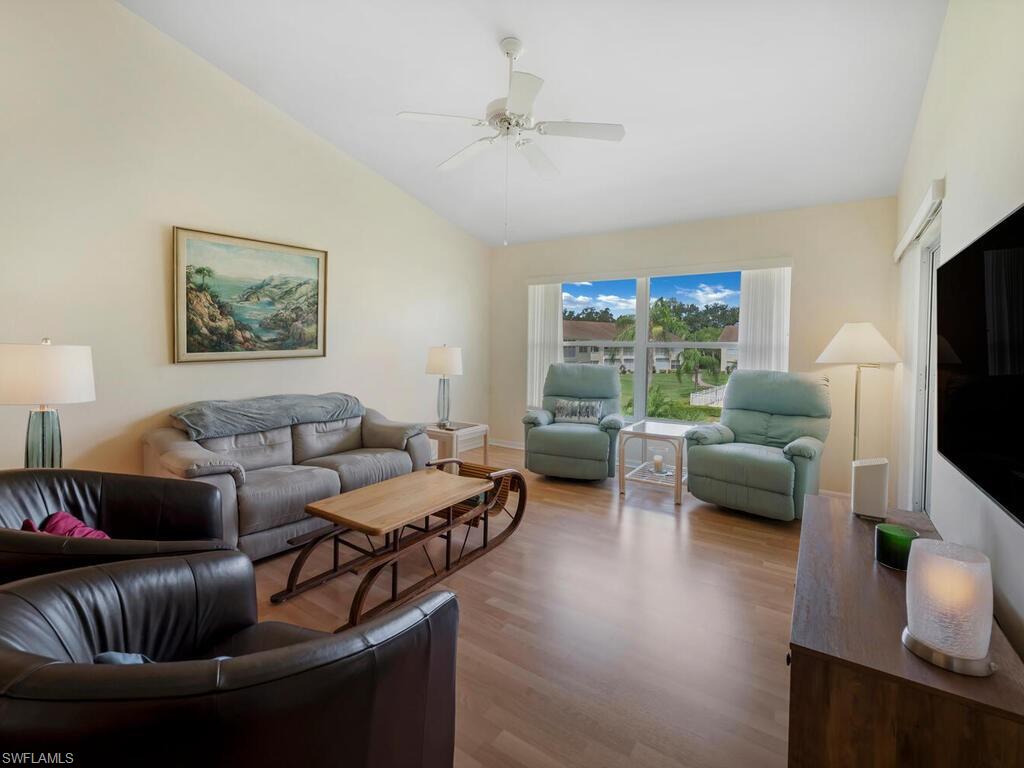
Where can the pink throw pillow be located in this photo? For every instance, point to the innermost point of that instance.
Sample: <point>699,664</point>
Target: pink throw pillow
<point>64,524</point>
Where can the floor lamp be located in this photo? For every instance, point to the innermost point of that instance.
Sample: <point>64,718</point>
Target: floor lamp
<point>862,345</point>
<point>45,375</point>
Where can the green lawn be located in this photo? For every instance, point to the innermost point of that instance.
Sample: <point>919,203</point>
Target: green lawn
<point>669,398</point>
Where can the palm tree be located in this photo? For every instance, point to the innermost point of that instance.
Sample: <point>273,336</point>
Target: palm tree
<point>694,361</point>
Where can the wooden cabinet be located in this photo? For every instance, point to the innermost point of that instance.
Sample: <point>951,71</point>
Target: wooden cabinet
<point>857,697</point>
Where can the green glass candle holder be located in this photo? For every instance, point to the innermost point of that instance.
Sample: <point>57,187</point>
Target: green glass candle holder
<point>892,545</point>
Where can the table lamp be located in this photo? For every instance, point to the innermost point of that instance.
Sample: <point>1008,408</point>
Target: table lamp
<point>444,362</point>
<point>862,345</point>
<point>44,375</point>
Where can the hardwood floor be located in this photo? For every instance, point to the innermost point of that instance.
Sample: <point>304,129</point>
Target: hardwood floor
<point>610,632</point>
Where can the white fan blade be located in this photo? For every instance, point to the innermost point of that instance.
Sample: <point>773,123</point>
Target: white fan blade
<point>467,152</point>
<point>521,92</point>
<point>430,117</point>
<point>602,131</point>
<point>537,159</point>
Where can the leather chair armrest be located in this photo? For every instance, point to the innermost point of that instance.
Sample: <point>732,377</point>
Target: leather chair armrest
<point>805,447</point>
<point>538,417</point>
<point>381,432</point>
<point>188,459</point>
<point>710,434</point>
<point>139,507</point>
<point>24,554</point>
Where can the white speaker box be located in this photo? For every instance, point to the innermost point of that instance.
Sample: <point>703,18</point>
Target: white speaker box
<point>869,493</point>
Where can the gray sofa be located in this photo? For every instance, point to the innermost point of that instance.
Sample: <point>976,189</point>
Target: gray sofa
<point>271,456</point>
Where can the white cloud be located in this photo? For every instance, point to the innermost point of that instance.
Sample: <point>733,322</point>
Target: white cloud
<point>575,302</point>
<point>705,294</point>
<point>583,283</point>
<point>616,303</point>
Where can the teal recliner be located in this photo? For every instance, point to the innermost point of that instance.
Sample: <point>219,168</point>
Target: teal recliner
<point>567,449</point>
<point>766,452</point>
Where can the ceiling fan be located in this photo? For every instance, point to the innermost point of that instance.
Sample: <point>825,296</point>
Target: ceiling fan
<point>511,118</point>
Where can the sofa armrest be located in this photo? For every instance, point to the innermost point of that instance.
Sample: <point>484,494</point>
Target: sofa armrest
<point>418,448</point>
<point>187,458</point>
<point>381,432</point>
<point>538,417</point>
<point>613,422</point>
<point>805,447</point>
<point>710,434</point>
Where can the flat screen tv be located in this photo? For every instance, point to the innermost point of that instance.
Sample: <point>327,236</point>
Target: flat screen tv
<point>980,362</point>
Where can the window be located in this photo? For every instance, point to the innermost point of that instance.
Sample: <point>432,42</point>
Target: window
<point>596,322</point>
<point>692,344</point>
<point>677,369</point>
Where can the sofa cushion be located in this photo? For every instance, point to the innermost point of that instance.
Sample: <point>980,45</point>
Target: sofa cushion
<point>753,466</point>
<point>275,496</point>
<point>321,438</point>
<point>364,466</point>
<point>255,450</point>
<point>580,441</point>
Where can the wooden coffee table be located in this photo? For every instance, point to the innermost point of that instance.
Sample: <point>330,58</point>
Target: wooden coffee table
<point>430,503</point>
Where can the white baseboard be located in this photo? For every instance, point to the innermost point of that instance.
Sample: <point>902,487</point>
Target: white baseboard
<point>837,494</point>
<point>507,444</point>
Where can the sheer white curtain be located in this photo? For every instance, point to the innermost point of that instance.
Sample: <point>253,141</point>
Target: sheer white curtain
<point>544,338</point>
<point>764,319</point>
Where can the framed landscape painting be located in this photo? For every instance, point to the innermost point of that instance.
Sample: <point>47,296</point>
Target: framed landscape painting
<point>240,299</point>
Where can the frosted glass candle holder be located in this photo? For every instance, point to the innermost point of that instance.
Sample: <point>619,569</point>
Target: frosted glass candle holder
<point>949,606</point>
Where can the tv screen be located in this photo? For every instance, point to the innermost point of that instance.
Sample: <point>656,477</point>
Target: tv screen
<point>980,362</point>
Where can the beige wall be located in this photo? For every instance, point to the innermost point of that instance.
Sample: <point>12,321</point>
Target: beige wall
<point>970,131</point>
<point>842,271</point>
<point>111,134</point>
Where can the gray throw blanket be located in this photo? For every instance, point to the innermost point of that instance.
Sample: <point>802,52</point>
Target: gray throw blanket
<point>220,418</point>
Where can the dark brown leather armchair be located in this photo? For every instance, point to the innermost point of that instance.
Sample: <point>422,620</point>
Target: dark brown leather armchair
<point>144,516</point>
<point>381,694</point>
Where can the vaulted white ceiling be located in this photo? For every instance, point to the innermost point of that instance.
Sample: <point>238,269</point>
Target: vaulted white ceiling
<point>730,106</point>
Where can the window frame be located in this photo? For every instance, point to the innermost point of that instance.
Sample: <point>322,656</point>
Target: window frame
<point>642,344</point>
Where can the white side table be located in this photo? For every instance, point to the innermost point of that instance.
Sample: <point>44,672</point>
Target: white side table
<point>451,440</point>
<point>661,431</point>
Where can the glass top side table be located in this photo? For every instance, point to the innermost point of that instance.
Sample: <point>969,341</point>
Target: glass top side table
<point>660,431</point>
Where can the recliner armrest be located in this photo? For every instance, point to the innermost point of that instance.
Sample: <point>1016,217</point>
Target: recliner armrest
<point>710,434</point>
<point>187,458</point>
<point>381,432</point>
<point>805,447</point>
<point>612,422</point>
<point>538,417</point>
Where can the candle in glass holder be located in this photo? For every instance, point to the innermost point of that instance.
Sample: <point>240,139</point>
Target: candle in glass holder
<point>659,464</point>
<point>949,606</point>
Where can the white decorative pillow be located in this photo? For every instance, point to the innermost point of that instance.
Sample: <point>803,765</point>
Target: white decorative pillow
<point>579,411</point>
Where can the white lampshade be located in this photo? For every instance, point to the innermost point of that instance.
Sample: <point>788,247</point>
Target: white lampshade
<point>445,361</point>
<point>949,598</point>
<point>858,343</point>
<point>45,374</point>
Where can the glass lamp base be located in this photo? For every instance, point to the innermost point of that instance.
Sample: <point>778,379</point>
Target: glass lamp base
<point>973,667</point>
<point>42,439</point>
<point>444,402</point>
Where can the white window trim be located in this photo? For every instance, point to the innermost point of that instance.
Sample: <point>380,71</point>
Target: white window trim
<point>642,343</point>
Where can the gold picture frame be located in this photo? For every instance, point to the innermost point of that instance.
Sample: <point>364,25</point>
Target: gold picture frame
<point>236,298</point>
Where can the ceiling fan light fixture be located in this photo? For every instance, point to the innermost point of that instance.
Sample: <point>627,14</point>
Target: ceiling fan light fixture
<point>512,115</point>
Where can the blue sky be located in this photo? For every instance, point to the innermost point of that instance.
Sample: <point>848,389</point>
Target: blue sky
<point>620,295</point>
